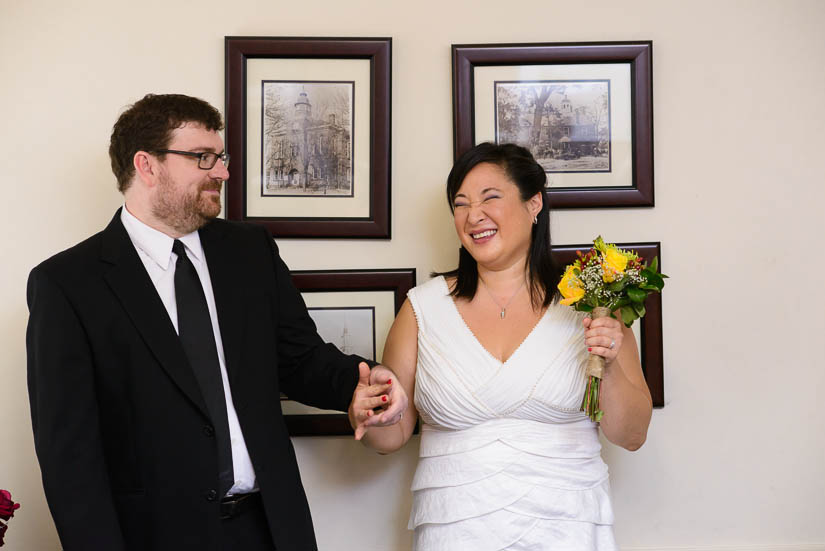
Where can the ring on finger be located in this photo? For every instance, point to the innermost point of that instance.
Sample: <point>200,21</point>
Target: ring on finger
<point>612,344</point>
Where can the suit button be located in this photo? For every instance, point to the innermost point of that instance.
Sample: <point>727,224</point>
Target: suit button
<point>208,430</point>
<point>211,495</point>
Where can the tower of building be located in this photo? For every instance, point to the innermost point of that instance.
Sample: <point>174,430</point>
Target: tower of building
<point>303,109</point>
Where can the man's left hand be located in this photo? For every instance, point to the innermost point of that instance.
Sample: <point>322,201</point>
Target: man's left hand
<point>378,380</point>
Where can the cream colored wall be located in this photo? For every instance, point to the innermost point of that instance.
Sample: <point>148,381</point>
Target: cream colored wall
<point>734,459</point>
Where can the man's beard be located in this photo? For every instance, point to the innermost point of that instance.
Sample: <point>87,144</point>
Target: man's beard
<point>185,211</point>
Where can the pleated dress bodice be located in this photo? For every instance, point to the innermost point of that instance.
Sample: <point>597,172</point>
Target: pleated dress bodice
<point>507,460</point>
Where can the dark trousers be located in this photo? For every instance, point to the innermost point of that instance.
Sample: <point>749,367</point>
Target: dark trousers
<point>247,530</point>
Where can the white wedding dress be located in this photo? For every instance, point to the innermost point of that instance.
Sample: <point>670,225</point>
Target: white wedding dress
<point>507,460</point>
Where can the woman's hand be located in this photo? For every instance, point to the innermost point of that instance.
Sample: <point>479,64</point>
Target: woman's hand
<point>603,337</point>
<point>393,409</point>
<point>376,400</point>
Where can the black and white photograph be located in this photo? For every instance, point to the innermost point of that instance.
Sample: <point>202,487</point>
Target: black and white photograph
<point>351,329</point>
<point>584,110</point>
<point>308,120</point>
<point>564,124</point>
<point>307,138</point>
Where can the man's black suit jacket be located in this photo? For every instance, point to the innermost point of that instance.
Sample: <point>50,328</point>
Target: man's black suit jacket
<point>125,443</point>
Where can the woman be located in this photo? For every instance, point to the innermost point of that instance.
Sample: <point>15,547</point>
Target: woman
<point>497,368</point>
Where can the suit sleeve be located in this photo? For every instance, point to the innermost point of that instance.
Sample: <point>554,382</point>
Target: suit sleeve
<point>310,371</point>
<point>65,420</point>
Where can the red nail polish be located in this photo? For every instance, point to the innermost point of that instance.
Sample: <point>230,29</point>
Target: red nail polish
<point>383,398</point>
<point>589,349</point>
<point>389,382</point>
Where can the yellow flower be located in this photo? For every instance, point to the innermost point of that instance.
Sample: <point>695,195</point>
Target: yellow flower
<point>613,262</point>
<point>571,287</point>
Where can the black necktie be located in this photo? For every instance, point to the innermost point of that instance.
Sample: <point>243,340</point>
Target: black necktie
<point>195,331</point>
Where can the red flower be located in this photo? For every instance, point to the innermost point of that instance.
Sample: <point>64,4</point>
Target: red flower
<point>7,506</point>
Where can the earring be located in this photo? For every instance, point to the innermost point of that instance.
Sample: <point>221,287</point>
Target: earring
<point>535,220</point>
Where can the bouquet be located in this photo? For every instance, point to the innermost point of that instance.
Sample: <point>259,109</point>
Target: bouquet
<point>603,281</point>
<point>7,509</point>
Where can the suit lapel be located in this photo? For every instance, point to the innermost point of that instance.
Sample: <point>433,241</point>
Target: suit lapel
<point>133,287</point>
<point>228,299</point>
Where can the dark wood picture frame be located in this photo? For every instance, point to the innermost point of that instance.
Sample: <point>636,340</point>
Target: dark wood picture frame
<point>239,49</point>
<point>466,57</point>
<point>650,326</point>
<point>399,281</point>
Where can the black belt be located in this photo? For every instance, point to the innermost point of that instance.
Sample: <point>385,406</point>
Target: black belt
<point>235,505</point>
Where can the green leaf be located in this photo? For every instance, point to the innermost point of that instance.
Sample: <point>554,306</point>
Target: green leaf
<point>617,286</point>
<point>639,308</point>
<point>654,266</point>
<point>636,294</point>
<point>649,287</point>
<point>656,279</point>
<point>583,307</point>
<point>629,315</point>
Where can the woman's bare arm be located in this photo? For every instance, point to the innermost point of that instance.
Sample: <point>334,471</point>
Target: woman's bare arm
<point>400,355</point>
<point>625,397</point>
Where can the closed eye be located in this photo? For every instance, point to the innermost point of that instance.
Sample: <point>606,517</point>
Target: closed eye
<point>482,201</point>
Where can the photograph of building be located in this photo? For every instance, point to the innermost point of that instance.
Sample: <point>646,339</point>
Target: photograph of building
<point>565,125</point>
<point>307,139</point>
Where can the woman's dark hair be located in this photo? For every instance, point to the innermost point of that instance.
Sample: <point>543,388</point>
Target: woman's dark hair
<point>147,125</point>
<point>523,170</point>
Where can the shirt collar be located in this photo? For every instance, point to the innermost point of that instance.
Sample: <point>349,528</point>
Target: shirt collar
<point>156,244</point>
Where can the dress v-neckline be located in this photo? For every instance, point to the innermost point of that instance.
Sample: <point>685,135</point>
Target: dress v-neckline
<point>477,341</point>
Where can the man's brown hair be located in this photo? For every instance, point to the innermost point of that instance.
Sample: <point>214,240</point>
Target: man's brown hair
<point>148,125</point>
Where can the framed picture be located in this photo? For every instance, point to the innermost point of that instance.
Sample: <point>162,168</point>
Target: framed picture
<point>350,328</point>
<point>353,309</point>
<point>308,129</point>
<point>648,330</point>
<point>584,110</point>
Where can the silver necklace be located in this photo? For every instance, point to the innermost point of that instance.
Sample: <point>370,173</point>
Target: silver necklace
<point>503,308</point>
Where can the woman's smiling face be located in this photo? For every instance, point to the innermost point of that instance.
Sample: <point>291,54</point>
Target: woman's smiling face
<point>492,222</point>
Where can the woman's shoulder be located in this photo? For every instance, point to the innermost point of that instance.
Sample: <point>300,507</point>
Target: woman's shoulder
<point>437,286</point>
<point>429,297</point>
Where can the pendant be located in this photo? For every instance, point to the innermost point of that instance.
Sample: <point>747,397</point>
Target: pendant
<point>502,312</point>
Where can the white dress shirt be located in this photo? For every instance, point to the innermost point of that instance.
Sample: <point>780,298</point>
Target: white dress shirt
<point>155,251</point>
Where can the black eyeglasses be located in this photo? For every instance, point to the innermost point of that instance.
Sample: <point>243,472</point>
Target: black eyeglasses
<point>206,159</point>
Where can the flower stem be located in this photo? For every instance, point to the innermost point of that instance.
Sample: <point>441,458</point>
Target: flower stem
<point>590,402</point>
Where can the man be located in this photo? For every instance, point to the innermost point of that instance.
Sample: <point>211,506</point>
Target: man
<point>157,351</point>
